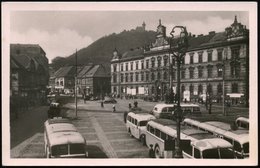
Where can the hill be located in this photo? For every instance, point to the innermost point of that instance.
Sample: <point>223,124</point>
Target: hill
<point>101,51</point>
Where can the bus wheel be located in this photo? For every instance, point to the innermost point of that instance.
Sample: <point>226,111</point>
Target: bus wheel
<point>157,152</point>
<point>142,139</point>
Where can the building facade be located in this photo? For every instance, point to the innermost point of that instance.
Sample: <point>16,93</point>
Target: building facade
<point>29,75</point>
<point>214,64</point>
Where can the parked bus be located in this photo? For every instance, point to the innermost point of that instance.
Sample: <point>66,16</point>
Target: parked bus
<point>167,110</point>
<point>239,137</point>
<point>136,124</point>
<point>243,122</point>
<point>202,144</point>
<point>62,140</point>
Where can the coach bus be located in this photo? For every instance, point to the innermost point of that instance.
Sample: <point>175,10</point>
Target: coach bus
<point>202,144</point>
<point>239,137</point>
<point>136,124</point>
<point>62,140</point>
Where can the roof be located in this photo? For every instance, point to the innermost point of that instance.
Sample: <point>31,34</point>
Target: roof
<point>97,71</point>
<point>134,53</point>
<point>141,116</point>
<point>65,71</point>
<point>212,143</point>
<point>84,70</point>
<point>66,138</point>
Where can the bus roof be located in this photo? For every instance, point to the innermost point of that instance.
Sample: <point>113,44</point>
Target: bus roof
<point>141,116</point>
<point>211,143</point>
<point>58,120</point>
<point>243,119</point>
<point>61,127</point>
<point>59,138</point>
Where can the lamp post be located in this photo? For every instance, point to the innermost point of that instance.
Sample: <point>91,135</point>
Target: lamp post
<point>178,48</point>
<point>76,72</point>
<point>223,77</point>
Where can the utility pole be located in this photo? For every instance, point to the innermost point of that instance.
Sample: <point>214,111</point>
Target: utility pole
<point>76,72</point>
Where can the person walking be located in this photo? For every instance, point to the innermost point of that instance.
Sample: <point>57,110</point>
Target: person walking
<point>102,104</point>
<point>114,108</point>
<point>130,106</point>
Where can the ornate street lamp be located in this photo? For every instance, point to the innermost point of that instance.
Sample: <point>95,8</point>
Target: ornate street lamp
<point>178,47</point>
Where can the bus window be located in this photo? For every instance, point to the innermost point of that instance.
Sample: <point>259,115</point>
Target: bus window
<point>135,121</point>
<point>164,110</point>
<point>229,140</point>
<point>196,153</point>
<point>163,136</point>
<point>157,133</point>
<point>77,148</point>
<point>58,150</point>
<point>210,154</point>
<point>132,120</point>
<point>226,153</point>
<point>237,146</point>
<point>188,149</point>
<point>152,130</point>
<point>142,123</point>
<point>246,147</point>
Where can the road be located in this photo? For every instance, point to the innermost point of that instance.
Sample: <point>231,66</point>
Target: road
<point>104,130</point>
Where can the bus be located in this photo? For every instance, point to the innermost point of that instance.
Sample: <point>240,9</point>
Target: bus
<point>136,124</point>
<point>167,111</point>
<point>202,144</point>
<point>62,140</point>
<point>242,122</point>
<point>239,137</point>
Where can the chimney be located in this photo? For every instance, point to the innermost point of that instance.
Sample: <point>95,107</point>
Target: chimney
<point>212,33</point>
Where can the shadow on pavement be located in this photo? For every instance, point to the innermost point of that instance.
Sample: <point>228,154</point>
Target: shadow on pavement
<point>95,152</point>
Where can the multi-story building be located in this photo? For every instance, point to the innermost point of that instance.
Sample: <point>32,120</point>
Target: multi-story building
<point>213,62</point>
<point>29,75</point>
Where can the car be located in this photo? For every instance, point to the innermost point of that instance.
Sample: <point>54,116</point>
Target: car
<point>109,100</point>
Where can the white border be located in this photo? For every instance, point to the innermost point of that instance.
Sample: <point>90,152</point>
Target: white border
<point>7,7</point>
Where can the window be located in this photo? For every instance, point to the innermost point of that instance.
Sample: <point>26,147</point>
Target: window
<point>183,60</point>
<point>61,83</point>
<point>126,66</point>
<point>163,136</point>
<point>165,61</point>
<point>114,78</point>
<point>220,71</point>
<point>131,77</point>
<point>234,88</point>
<point>157,133</point>
<point>142,64</point>
<point>191,58</point>
<point>159,61</point>
<point>191,72</point>
<point>114,89</point>
<point>200,57</point>
<point>196,153</point>
<point>152,76</point>
<point>115,68</point>
<point>187,149</point>
<point>126,77</point>
<point>165,76</point>
<point>147,76</point>
<point>152,90</point>
<point>210,71</point>
<point>235,68</point>
<point>209,56</point>
<point>173,74</point>
<point>200,72</point>
<point>122,67</point>
<point>235,52</point>
<point>136,77</point>
<point>220,90</point>
<point>200,89</point>
<point>220,53</point>
<point>142,76</point>
<point>183,74</point>
<point>136,65</point>
<point>173,61</point>
<point>182,88</point>
<point>209,89</point>
<point>152,130</point>
<point>135,121</point>
<point>131,66</point>
<point>147,64</point>
<point>122,77</point>
<point>191,89</point>
<point>159,75</point>
<point>153,60</point>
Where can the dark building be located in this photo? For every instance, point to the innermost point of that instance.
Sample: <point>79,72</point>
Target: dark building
<point>29,75</point>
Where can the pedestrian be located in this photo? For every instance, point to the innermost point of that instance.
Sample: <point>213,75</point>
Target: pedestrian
<point>114,108</point>
<point>102,103</point>
<point>151,152</point>
<point>84,98</point>
<point>125,115</point>
<point>135,104</point>
<point>130,106</point>
<point>185,100</point>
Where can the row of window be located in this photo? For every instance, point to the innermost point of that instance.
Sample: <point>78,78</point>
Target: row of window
<point>235,72</point>
<point>235,52</point>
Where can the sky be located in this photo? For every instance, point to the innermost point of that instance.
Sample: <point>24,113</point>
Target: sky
<point>60,32</point>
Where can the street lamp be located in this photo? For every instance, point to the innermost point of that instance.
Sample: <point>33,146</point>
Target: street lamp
<point>178,48</point>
